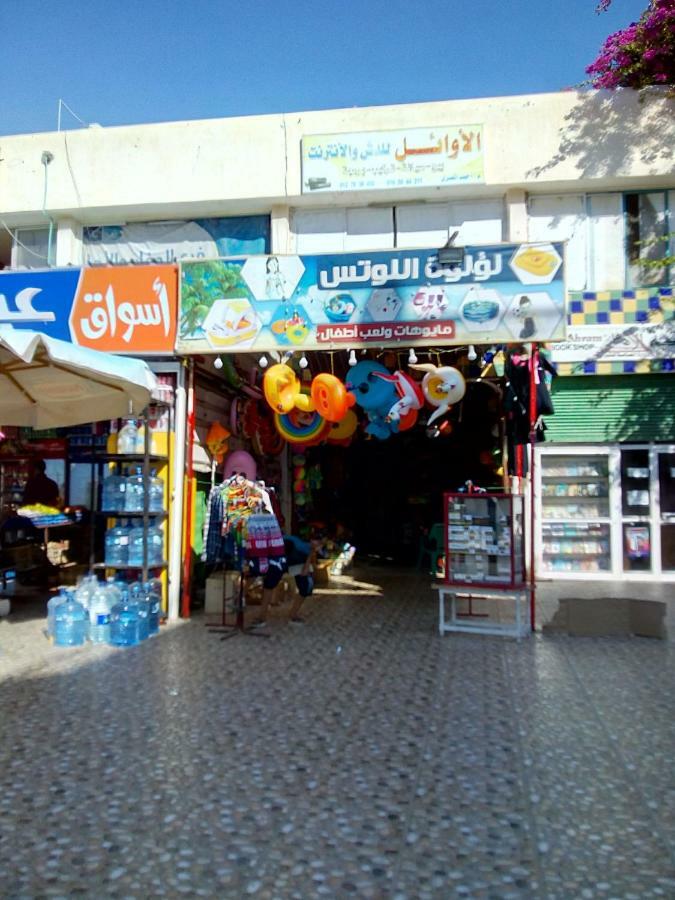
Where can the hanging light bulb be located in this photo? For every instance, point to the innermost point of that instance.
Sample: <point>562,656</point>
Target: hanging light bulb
<point>303,362</point>
<point>352,358</point>
<point>262,362</point>
<point>472,355</point>
<point>217,363</point>
<point>412,357</point>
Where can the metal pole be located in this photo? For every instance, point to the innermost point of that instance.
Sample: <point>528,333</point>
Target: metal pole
<point>187,562</point>
<point>533,438</point>
<point>177,493</point>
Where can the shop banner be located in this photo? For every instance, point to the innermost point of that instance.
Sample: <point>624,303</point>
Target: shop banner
<point>167,242</point>
<point>376,160</point>
<point>127,309</point>
<point>500,294</point>
<point>117,309</point>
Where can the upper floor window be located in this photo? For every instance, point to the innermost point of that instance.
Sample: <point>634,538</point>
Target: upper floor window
<point>648,238</point>
<point>30,248</point>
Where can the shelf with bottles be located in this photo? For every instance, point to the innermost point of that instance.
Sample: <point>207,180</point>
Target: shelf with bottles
<point>121,568</point>
<point>568,467</point>
<point>576,547</point>
<point>575,489</point>
<point>123,514</point>
<point>575,512</point>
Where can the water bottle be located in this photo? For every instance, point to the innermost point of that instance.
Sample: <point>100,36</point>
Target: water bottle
<point>99,615</point>
<point>127,437</point>
<point>156,492</point>
<point>143,607</point>
<point>70,623</point>
<point>117,545</point>
<point>155,545</point>
<point>136,544</point>
<point>85,590</point>
<point>124,622</point>
<point>52,604</point>
<point>153,591</point>
<point>113,498</point>
<point>135,491</point>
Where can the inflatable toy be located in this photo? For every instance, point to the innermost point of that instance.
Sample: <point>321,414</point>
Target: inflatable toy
<point>331,398</point>
<point>339,307</point>
<point>443,386</point>
<point>342,432</point>
<point>410,399</point>
<point>375,394</point>
<point>240,463</point>
<point>216,441</point>
<point>282,390</point>
<point>300,427</point>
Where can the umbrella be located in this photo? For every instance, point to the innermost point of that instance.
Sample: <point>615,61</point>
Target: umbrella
<point>48,383</point>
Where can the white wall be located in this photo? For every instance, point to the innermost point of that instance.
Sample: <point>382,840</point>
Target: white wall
<point>541,142</point>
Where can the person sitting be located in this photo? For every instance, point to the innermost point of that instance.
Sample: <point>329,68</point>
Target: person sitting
<point>39,488</point>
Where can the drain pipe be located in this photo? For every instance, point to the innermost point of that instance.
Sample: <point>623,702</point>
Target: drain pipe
<point>46,158</point>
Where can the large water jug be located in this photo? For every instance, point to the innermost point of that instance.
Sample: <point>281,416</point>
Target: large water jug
<point>153,591</point>
<point>117,545</point>
<point>52,604</point>
<point>124,622</point>
<point>99,615</point>
<point>70,624</point>
<point>136,544</point>
<point>156,491</point>
<point>85,590</point>
<point>155,545</point>
<point>127,437</point>
<point>113,498</point>
<point>135,491</point>
<point>143,608</point>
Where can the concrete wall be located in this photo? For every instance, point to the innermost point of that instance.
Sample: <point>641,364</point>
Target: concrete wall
<point>540,142</point>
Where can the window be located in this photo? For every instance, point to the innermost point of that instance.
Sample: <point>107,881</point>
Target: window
<point>30,248</point>
<point>647,228</point>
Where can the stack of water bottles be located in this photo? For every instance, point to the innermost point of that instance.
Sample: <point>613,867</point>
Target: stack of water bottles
<point>124,543</point>
<point>113,612</point>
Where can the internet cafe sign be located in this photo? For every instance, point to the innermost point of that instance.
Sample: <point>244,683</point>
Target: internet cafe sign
<point>119,309</point>
<point>376,160</point>
<point>504,293</point>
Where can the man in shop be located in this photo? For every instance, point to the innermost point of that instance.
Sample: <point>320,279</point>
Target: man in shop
<point>39,488</point>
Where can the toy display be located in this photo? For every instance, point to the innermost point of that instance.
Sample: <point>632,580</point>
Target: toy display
<point>443,386</point>
<point>301,427</point>
<point>216,441</point>
<point>283,390</point>
<point>411,400</point>
<point>342,432</point>
<point>331,398</point>
<point>376,395</point>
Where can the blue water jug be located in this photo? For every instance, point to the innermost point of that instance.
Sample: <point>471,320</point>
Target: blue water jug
<point>124,624</point>
<point>153,591</point>
<point>70,624</point>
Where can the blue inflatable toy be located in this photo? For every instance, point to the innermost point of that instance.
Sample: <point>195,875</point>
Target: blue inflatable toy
<point>375,395</point>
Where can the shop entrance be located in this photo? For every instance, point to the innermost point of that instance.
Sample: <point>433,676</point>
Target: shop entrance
<point>386,496</point>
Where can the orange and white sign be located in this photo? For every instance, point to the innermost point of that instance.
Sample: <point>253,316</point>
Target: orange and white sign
<point>126,309</point>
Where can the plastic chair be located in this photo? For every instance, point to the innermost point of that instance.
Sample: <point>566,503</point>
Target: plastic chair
<point>431,549</point>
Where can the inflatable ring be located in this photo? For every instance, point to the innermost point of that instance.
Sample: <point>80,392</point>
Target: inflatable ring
<point>330,397</point>
<point>307,429</point>
<point>281,387</point>
<point>343,431</point>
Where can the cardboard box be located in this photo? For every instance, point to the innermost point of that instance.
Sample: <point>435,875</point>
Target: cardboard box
<point>608,617</point>
<point>213,600</point>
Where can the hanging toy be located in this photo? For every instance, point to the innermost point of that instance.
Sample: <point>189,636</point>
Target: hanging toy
<point>341,433</point>
<point>411,399</point>
<point>282,390</point>
<point>216,441</point>
<point>331,398</point>
<point>300,427</point>
<point>443,386</point>
<point>375,395</point>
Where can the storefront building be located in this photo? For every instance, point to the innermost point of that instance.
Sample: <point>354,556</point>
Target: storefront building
<point>545,168</point>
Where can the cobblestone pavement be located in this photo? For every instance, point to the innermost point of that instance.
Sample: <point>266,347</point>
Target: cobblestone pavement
<point>359,755</point>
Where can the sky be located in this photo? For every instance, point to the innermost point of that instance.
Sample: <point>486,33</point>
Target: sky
<point>151,61</point>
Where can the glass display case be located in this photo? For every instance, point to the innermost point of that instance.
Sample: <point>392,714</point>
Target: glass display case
<point>484,542</point>
<point>575,514</point>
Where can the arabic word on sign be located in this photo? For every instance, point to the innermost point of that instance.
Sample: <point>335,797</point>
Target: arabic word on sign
<point>126,310</point>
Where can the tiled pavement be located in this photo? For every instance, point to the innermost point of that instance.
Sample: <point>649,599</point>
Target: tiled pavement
<point>359,755</point>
